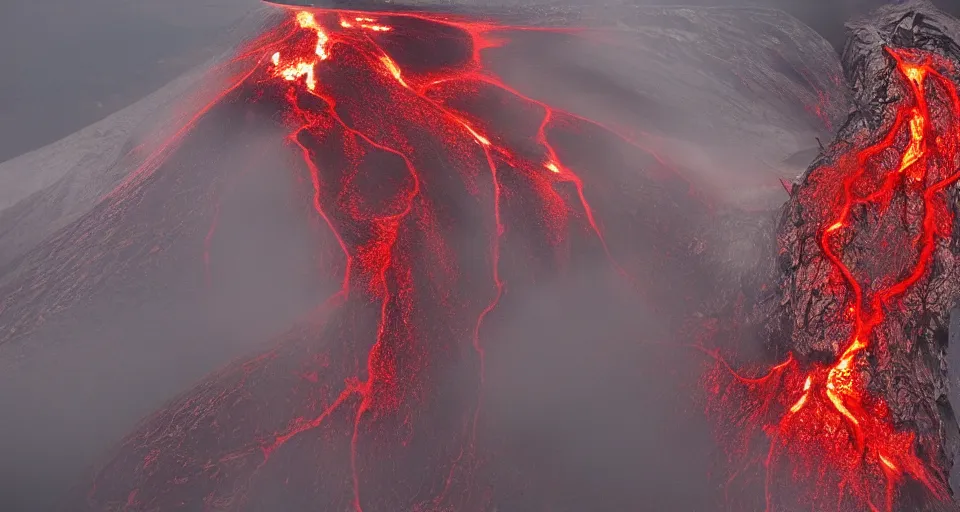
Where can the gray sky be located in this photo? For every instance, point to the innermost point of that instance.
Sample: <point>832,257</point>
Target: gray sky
<point>76,62</point>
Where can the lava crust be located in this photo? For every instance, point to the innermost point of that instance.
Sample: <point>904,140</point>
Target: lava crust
<point>857,412</point>
<point>439,188</point>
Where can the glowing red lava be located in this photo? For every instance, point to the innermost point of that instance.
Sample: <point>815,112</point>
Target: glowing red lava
<point>372,263</point>
<point>827,426</point>
<point>330,70</point>
<point>379,204</point>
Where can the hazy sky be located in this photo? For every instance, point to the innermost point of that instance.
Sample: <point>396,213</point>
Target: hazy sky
<point>76,62</point>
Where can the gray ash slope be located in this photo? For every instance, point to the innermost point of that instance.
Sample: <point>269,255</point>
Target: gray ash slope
<point>108,317</point>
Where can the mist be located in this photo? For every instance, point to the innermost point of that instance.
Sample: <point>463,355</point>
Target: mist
<point>591,391</point>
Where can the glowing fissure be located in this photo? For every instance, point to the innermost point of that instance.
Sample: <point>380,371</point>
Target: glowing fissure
<point>828,415</point>
<point>375,269</point>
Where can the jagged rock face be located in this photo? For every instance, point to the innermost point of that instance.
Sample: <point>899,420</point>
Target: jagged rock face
<point>868,242</point>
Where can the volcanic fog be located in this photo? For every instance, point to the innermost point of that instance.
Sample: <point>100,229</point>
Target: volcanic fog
<point>176,332</point>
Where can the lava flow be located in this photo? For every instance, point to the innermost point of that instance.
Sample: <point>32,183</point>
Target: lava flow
<point>373,262</point>
<point>367,127</point>
<point>883,219</point>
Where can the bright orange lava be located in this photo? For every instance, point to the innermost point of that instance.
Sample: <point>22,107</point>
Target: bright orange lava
<point>829,430</point>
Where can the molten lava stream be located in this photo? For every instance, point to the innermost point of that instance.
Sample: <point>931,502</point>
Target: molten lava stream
<point>398,158</point>
<point>828,426</point>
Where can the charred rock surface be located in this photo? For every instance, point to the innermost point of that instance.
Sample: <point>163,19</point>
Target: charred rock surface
<point>867,273</point>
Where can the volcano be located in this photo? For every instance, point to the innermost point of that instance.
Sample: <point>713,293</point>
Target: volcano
<point>492,252</point>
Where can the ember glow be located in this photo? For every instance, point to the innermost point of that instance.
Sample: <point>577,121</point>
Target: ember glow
<point>367,127</point>
<point>829,428</point>
<point>376,264</point>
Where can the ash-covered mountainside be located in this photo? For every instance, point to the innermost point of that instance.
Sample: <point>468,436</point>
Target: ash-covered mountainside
<point>217,245</point>
<point>867,269</point>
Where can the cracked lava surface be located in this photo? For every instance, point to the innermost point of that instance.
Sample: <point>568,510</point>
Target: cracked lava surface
<point>828,425</point>
<point>365,143</point>
<point>373,147</point>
